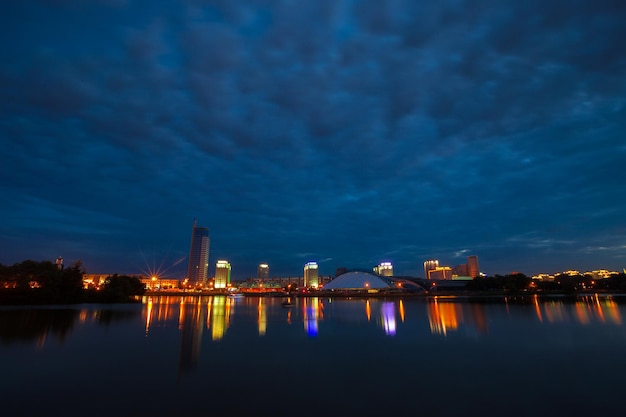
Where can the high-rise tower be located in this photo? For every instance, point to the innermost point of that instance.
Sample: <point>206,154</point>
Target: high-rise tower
<point>472,266</point>
<point>263,271</point>
<point>198,255</point>
<point>311,275</point>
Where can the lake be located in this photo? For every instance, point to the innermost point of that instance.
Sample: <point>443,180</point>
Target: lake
<point>228,356</point>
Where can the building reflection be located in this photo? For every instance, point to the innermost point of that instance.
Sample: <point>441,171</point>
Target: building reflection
<point>312,309</point>
<point>388,315</point>
<point>192,315</point>
<point>446,316</point>
<point>191,323</point>
<point>585,310</point>
<point>262,316</point>
<point>195,314</point>
<point>220,316</point>
<point>41,325</point>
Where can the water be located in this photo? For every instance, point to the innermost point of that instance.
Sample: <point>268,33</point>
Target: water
<point>221,356</point>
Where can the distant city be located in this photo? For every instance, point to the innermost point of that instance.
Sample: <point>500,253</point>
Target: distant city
<point>198,277</point>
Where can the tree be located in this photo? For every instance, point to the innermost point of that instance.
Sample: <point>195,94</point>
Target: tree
<point>122,287</point>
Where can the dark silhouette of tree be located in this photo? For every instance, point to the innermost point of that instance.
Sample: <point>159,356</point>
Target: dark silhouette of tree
<point>122,287</point>
<point>42,283</point>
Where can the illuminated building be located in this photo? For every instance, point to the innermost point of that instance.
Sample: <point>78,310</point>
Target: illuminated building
<point>544,277</point>
<point>429,265</point>
<point>472,266</point>
<point>385,269</point>
<point>601,274</point>
<point>198,255</point>
<point>311,277</point>
<point>222,274</point>
<point>263,271</point>
<point>441,272</point>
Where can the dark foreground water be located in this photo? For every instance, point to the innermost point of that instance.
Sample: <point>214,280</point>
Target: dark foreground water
<point>221,356</point>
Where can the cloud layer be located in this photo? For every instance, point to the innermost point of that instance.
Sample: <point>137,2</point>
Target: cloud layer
<point>346,131</point>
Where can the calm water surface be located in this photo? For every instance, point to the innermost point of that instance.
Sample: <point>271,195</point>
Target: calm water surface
<point>224,356</point>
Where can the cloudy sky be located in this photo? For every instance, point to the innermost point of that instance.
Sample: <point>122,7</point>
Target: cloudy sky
<point>346,132</point>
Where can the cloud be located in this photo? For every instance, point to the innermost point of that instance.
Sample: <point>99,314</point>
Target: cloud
<point>346,129</point>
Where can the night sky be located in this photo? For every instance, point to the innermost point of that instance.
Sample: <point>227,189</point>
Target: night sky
<point>345,132</point>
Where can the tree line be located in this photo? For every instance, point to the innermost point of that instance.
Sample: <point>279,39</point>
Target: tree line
<point>44,282</point>
<point>562,283</point>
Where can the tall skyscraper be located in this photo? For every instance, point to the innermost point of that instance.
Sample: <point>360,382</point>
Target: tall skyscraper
<point>263,271</point>
<point>198,255</point>
<point>311,275</point>
<point>473,269</point>
<point>222,274</point>
<point>430,265</point>
<point>385,269</point>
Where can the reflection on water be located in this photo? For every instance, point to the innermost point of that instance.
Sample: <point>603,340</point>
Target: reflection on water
<point>193,316</point>
<point>447,315</point>
<point>191,323</point>
<point>585,310</point>
<point>258,346</point>
<point>311,308</point>
<point>388,314</point>
<point>37,325</point>
<point>19,325</point>
<point>262,316</point>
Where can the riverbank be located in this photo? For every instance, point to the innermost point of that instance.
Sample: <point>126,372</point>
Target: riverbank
<point>452,294</point>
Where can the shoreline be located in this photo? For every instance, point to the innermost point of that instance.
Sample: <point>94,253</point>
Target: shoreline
<point>438,294</point>
<point>444,296</point>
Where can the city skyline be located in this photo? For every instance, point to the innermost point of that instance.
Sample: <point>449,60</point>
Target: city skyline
<point>346,132</point>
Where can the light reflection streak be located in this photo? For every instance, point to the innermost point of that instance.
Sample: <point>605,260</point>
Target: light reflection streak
<point>442,317</point>
<point>218,318</point>
<point>537,308</point>
<point>148,314</point>
<point>598,309</point>
<point>581,311</point>
<point>584,311</point>
<point>387,311</point>
<point>449,316</point>
<point>262,316</point>
<point>311,312</point>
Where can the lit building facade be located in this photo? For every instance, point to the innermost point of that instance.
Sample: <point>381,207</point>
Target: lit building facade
<point>222,274</point>
<point>473,270</point>
<point>263,271</point>
<point>441,272</point>
<point>198,256</point>
<point>430,265</point>
<point>311,275</point>
<point>385,269</point>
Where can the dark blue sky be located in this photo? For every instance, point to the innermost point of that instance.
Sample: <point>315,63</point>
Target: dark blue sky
<point>347,132</point>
